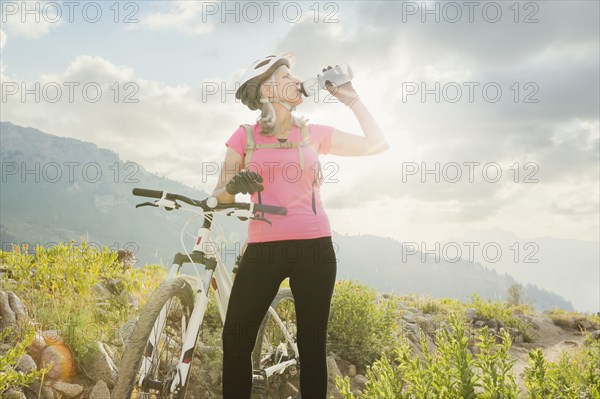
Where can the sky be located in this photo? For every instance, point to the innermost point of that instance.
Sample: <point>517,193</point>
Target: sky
<point>491,109</point>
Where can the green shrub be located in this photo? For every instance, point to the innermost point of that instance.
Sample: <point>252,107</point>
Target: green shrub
<point>487,310</point>
<point>570,378</point>
<point>360,328</point>
<point>56,285</point>
<point>450,372</point>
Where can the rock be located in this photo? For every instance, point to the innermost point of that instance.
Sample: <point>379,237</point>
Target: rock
<point>514,332</point>
<point>101,292</point>
<point>518,312</point>
<point>409,318</point>
<point>100,366</point>
<point>585,324</point>
<point>35,388</point>
<point>492,324</point>
<point>26,364</point>
<point>36,347</point>
<point>480,324</point>
<point>47,392</point>
<point>62,362</point>
<point>411,329</point>
<point>52,337</point>
<point>127,330</point>
<point>471,315</point>
<point>68,390</point>
<point>361,381</point>
<point>13,394</point>
<point>214,375</point>
<point>18,308</point>
<point>100,391</point>
<point>109,350</point>
<point>572,343</point>
<point>130,299</point>
<point>7,315</point>
<point>352,370</point>
<point>425,324</point>
<point>332,369</point>
<point>565,322</point>
<point>114,285</point>
<point>4,348</point>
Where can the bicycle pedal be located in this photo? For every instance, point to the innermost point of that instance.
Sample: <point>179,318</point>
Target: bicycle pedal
<point>260,382</point>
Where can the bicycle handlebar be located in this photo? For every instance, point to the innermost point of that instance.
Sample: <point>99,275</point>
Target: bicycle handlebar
<point>143,192</point>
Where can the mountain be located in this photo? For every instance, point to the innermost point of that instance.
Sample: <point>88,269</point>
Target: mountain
<point>385,270</point>
<point>571,268</point>
<point>56,189</point>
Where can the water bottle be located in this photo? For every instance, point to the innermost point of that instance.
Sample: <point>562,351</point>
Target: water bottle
<point>337,75</point>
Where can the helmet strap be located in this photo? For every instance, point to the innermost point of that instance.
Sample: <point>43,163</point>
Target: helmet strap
<point>287,106</point>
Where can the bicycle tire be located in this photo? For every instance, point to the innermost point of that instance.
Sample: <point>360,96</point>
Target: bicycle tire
<point>258,362</point>
<point>133,354</point>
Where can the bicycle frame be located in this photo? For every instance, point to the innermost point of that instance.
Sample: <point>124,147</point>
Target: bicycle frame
<point>215,277</point>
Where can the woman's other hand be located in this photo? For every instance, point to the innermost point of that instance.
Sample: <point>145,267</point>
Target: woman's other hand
<point>245,182</point>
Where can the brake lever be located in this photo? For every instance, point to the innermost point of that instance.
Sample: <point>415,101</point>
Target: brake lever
<point>146,204</point>
<point>154,204</point>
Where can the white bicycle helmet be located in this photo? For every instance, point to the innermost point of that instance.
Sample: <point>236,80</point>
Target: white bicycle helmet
<point>257,73</point>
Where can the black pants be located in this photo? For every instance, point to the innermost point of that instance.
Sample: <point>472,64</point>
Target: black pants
<point>311,266</point>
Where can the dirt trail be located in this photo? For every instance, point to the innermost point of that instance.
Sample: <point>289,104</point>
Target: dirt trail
<point>553,340</point>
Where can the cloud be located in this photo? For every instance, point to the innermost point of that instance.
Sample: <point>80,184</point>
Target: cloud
<point>2,38</point>
<point>182,16</point>
<point>173,129</point>
<point>551,61</point>
<point>170,129</point>
<point>32,20</point>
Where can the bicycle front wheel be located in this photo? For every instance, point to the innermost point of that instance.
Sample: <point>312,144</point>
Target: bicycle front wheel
<point>273,346</point>
<point>173,300</point>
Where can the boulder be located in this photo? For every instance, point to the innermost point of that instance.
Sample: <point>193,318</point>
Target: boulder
<point>100,366</point>
<point>68,390</point>
<point>18,308</point>
<point>471,315</point>
<point>332,369</point>
<point>35,388</point>
<point>100,391</point>
<point>352,370</point>
<point>26,364</point>
<point>52,337</point>
<point>361,381</point>
<point>7,315</point>
<point>585,324</point>
<point>13,393</point>
<point>61,358</point>
<point>36,347</point>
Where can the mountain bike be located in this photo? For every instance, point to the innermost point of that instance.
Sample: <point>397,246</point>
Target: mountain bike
<point>157,359</point>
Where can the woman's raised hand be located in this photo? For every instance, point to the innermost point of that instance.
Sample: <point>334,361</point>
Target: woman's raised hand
<point>344,92</point>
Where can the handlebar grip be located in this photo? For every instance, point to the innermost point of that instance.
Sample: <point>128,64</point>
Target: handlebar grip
<point>276,210</point>
<point>143,192</point>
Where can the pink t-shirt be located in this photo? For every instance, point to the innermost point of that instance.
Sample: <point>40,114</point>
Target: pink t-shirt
<point>286,184</point>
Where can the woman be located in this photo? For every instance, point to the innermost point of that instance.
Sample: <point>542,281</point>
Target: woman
<point>297,245</point>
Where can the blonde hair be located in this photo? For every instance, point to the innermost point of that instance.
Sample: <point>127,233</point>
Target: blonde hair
<point>268,118</point>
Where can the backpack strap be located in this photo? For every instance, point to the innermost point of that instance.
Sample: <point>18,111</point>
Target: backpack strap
<point>306,140</point>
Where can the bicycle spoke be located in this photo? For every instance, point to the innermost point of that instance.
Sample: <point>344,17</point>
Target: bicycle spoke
<point>165,356</point>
